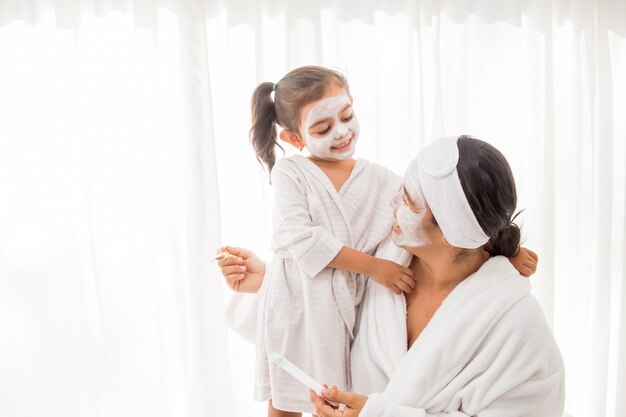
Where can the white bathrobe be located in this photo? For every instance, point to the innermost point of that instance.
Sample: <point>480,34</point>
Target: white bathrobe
<point>307,311</point>
<point>487,352</point>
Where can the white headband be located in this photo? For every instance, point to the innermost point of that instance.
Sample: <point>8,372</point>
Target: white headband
<point>444,194</point>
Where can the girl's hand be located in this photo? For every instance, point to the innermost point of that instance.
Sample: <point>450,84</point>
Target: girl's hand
<point>354,403</point>
<point>243,270</point>
<point>525,261</point>
<point>393,276</point>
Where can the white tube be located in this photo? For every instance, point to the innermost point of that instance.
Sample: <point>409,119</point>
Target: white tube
<point>299,374</point>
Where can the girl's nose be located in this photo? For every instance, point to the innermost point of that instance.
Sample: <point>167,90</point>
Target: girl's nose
<point>342,130</point>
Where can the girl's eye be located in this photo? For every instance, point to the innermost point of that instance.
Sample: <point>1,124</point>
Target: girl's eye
<point>347,119</point>
<point>325,131</point>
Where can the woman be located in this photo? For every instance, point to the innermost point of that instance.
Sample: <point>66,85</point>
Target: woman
<point>477,341</point>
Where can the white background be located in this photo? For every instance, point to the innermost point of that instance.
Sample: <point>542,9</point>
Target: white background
<point>124,163</point>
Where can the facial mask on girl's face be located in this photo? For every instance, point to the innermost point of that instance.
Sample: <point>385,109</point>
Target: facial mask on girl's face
<point>340,141</point>
<point>410,219</point>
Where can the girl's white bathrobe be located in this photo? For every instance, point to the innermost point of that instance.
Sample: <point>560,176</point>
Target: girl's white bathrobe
<point>307,311</point>
<point>487,352</point>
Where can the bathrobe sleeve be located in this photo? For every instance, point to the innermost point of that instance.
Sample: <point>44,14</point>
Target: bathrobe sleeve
<point>377,405</point>
<point>516,372</point>
<point>241,315</point>
<point>312,247</point>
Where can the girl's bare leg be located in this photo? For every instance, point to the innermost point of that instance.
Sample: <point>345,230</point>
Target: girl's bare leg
<point>272,412</point>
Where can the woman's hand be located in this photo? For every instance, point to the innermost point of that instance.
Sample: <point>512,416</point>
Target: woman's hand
<point>354,403</point>
<point>525,261</point>
<point>393,276</point>
<point>243,270</point>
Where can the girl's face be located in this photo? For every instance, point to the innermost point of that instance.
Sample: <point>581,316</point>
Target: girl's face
<point>414,224</point>
<point>329,126</point>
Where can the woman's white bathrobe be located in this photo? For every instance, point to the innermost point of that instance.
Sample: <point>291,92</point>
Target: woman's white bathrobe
<point>487,352</point>
<point>302,302</point>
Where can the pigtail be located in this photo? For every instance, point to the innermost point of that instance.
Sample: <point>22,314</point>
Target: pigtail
<point>263,130</point>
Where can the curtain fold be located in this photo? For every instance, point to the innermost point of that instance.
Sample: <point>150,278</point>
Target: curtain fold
<point>109,213</point>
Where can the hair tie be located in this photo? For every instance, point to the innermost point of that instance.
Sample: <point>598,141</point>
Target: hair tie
<point>274,87</point>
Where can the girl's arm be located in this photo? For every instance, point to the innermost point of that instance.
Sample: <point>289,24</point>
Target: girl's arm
<point>387,273</point>
<point>314,247</point>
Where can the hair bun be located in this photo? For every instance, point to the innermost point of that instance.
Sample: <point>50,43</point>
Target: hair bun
<point>506,242</point>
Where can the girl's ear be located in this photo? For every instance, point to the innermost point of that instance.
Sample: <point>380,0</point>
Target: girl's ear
<point>291,138</point>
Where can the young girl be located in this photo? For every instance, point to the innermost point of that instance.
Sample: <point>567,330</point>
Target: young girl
<point>330,213</point>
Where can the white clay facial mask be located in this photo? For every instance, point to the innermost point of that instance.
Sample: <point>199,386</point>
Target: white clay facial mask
<point>339,141</point>
<point>410,219</point>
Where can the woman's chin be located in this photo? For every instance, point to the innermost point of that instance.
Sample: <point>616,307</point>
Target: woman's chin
<point>408,245</point>
<point>399,240</point>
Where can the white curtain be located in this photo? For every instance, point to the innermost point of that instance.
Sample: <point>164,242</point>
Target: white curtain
<point>108,213</point>
<point>117,115</point>
<point>544,81</point>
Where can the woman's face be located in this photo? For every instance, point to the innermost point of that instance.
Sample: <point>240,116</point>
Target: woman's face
<point>414,225</point>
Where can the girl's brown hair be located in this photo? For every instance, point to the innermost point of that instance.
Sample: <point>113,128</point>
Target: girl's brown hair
<point>294,91</point>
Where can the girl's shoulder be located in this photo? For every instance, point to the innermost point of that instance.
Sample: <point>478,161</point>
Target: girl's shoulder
<point>290,166</point>
<point>289,162</point>
<point>296,169</point>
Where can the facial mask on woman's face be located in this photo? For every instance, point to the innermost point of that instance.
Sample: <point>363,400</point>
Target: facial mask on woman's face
<point>410,220</point>
<point>340,141</point>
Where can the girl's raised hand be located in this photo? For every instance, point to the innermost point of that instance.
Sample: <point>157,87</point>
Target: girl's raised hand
<point>241,268</point>
<point>394,276</point>
<point>525,261</point>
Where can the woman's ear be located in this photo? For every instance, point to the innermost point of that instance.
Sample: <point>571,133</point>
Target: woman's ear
<point>291,138</point>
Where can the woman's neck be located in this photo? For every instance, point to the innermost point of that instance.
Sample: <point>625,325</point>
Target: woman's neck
<point>443,273</point>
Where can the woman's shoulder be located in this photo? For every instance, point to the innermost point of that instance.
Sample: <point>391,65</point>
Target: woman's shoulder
<point>526,324</point>
<point>527,315</point>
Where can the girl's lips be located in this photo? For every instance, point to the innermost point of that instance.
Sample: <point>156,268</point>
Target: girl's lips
<point>344,147</point>
<point>396,228</point>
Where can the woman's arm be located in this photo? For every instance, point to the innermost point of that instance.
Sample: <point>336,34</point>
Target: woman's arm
<point>243,270</point>
<point>359,405</point>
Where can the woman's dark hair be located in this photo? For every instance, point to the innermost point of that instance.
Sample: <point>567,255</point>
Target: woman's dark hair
<point>489,186</point>
<point>294,91</point>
